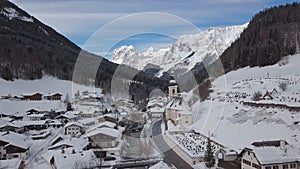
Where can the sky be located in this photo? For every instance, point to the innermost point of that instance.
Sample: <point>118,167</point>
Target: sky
<point>99,26</point>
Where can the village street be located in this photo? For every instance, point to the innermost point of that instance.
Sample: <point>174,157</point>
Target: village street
<point>41,146</point>
<point>170,156</point>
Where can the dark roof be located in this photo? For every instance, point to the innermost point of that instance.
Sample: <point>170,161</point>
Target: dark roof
<point>273,143</point>
<point>32,110</point>
<point>57,94</point>
<point>172,83</point>
<point>267,94</point>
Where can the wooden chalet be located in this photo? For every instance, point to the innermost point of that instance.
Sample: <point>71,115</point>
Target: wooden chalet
<point>33,97</point>
<point>56,96</point>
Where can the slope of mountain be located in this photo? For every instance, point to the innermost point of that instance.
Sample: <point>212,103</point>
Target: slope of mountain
<point>227,115</point>
<point>29,49</point>
<point>184,53</point>
<point>271,34</point>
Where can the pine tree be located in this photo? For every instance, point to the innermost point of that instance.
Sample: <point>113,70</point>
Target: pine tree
<point>67,99</point>
<point>209,156</point>
<point>69,106</point>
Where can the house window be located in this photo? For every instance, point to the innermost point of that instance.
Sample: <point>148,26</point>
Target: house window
<point>247,162</point>
<point>15,156</point>
<point>293,165</point>
<point>268,167</point>
<point>285,166</point>
<point>256,166</point>
<point>275,167</point>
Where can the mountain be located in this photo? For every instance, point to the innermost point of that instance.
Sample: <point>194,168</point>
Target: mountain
<point>270,35</point>
<point>30,50</point>
<point>184,53</point>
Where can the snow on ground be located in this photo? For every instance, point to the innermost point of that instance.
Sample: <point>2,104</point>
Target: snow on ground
<point>194,144</point>
<point>236,125</point>
<point>13,107</point>
<point>160,165</point>
<point>11,13</point>
<point>45,85</point>
<point>291,69</point>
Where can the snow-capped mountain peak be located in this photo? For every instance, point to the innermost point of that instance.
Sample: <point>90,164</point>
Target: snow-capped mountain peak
<point>120,54</point>
<point>184,53</point>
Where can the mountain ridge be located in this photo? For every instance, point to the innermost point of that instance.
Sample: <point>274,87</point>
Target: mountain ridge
<point>184,53</point>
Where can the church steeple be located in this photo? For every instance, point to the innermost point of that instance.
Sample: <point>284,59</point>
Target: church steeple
<point>173,89</point>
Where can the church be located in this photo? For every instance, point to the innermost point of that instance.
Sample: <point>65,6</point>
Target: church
<point>177,109</point>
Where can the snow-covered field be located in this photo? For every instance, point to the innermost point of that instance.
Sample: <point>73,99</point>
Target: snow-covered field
<point>45,85</point>
<point>236,125</point>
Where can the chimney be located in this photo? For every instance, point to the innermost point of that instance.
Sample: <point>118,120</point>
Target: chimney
<point>283,145</point>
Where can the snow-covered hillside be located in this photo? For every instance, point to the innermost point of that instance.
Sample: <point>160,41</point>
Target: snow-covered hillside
<point>11,13</point>
<point>184,53</point>
<point>45,86</point>
<point>236,120</point>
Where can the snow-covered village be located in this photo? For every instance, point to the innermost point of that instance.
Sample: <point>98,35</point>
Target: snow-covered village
<point>222,97</point>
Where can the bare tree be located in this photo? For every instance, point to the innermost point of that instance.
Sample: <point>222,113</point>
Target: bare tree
<point>283,86</point>
<point>257,96</point>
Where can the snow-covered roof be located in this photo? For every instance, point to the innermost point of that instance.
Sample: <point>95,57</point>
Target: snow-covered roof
<point>15,139</point>
<point>271,154</point>
<point>17,124</point>
<point>106,124</point>
<point>31,94</point>
<point>73,123</point>
<point>34,123</point>
<point>157,109</point>
<point>3,123</point>
<point>67,116</point>
<point>78,143</point>
<point>88,120</point>
<point>11,163</point>
<point>5,113</point>
<point>160,165</point>
<point>91,111</point>
<point>157,102</point>
<point>68,159</point>
<point>74,112</point>
<point>53,94</point>
<point>54,122</point>
<point>106,131</point>
<point>175,103</point>
<point>36,115</point>
<point>172,83</point>
<point>8,119</point>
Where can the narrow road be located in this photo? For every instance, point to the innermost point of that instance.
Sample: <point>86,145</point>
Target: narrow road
<point>170,156</point>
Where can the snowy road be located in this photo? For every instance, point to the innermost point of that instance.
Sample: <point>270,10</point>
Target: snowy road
<point>38,148</point>
<point>170,156</point>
